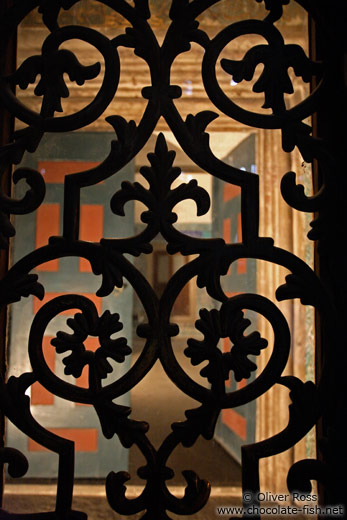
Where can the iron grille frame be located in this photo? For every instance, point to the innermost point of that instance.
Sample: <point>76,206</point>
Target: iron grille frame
<point>326,405</point>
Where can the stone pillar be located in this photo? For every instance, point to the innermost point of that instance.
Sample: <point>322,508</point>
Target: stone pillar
<point>288,228</point>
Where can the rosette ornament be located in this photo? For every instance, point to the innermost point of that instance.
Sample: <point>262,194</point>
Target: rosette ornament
<point>99,366</point>
<point>225,323</point>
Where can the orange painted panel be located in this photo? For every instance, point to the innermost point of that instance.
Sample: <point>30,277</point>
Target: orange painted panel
<point>235,422</point>
<point>242,262</point>
<point>230,294</point>
<point>47,225</point>
<point>39,394</point>
<point>239,227</point>
<point>227,230</point>
<point>54,171</point>
<point>226,348</point>
<point>86,439</point>
<point>231,191</point>
<point>226,344</point>
<point>37,304</point>
<point>91,228</point>
<point>242,266</point>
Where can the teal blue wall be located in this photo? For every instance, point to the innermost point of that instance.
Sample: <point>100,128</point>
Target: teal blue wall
<point>71,147</point>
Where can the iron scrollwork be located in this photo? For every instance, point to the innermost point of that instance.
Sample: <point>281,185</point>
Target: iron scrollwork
<point>214,256</point>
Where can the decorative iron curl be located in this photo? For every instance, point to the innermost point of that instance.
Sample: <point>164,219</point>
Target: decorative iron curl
<point>10,154</point>
<point>16,460</point>
<point>51,66</point>
<point>302,472</point>
<point>303,414</point>
<point>16,405</point>
<point>275,64</point>
<point>84,324</point>
<point>214,326</point>
<point>156,499</point>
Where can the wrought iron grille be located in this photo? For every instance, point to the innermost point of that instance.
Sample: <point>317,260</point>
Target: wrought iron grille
<point>109,257</point>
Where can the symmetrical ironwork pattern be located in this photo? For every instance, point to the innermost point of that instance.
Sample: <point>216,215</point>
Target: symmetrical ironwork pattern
<point>109,258</point>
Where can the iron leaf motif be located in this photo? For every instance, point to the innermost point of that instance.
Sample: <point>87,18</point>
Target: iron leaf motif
<point>114,420</point>
<point>26,139</point>
<point>50,10</point>
<point>275,7</point>
<point>51,67</point>
<point>298,287</point>
<point>125,131</point>
<point>133,39</point>
<point>200,421</point>
<point>6,230</point>
<point>197,125</point>
<point>106,263</point>
<point>24,285</point>
<point>274,80</point>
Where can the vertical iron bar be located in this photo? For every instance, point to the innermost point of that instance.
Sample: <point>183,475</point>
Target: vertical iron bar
<point>330,265</point>
<point>8,49</point>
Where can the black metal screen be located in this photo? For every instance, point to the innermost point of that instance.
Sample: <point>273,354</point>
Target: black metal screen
<point>213,257</point>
